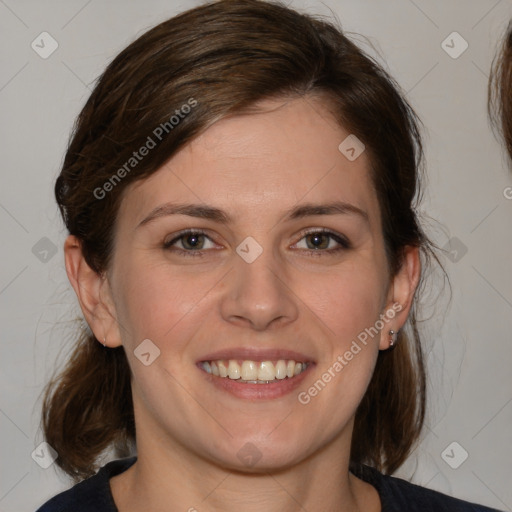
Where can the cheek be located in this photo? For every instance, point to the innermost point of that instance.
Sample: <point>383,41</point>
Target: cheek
<point>347,301</point>
<point>346,305</point>
<point>156,302</point>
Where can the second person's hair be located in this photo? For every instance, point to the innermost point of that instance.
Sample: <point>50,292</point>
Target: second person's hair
<point>500,91</point>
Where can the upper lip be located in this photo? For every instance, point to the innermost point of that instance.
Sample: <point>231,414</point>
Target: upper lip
<point>256,354</point>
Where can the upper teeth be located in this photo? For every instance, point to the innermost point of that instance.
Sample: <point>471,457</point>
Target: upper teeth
<point>253,371</point>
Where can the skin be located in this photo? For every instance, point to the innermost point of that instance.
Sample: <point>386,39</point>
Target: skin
<point>256,168</point>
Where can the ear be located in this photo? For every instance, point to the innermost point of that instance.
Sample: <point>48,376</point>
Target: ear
<point>94,294</point>
<point>401,294</point>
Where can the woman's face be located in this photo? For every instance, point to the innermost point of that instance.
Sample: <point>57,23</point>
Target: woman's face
<point>260,283</point>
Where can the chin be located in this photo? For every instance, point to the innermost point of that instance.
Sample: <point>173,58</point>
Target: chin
<point>260,453</point>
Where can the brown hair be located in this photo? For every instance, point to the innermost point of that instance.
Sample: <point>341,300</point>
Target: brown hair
<point>500,91</point>
<point>225,56</point>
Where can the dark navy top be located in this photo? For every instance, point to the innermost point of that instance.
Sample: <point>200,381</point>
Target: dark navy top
<point>396,495</point>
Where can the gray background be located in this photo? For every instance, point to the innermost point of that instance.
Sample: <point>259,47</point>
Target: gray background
<point>468,342</point>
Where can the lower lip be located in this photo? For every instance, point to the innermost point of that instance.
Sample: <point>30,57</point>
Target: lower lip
<point>275,389</point>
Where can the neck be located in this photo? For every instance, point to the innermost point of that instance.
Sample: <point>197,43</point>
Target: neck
<point>173,479</point>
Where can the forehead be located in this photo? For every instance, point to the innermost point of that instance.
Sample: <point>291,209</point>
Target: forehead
<point>284,153</point>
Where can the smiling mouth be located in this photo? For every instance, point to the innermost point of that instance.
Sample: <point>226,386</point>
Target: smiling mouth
<point>254,372</point>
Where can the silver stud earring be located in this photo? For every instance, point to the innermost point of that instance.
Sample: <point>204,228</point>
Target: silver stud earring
<point>104,341</point>
<point>392,338</point>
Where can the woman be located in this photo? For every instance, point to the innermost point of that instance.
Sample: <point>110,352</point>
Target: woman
<point>240,195</point>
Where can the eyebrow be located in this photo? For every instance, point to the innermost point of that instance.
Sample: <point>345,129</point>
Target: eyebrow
<point>202,211</point>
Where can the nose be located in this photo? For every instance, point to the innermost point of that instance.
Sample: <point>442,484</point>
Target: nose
<point>258,295</point>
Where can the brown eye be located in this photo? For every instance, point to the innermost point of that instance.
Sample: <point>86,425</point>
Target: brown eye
<point>189,241</point>
<point>323,241</point>
<point>317,241</point>
<point>193,241</point>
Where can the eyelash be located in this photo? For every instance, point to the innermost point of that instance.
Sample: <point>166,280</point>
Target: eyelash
<point>182,234</point>
<point>344,244</point>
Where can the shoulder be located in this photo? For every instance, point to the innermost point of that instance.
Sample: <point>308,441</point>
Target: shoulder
<point>399,495</point>
<point>92,494</point>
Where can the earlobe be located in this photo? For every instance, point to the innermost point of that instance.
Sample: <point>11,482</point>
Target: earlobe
<point>93,292</point>
<point>401,296</point>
